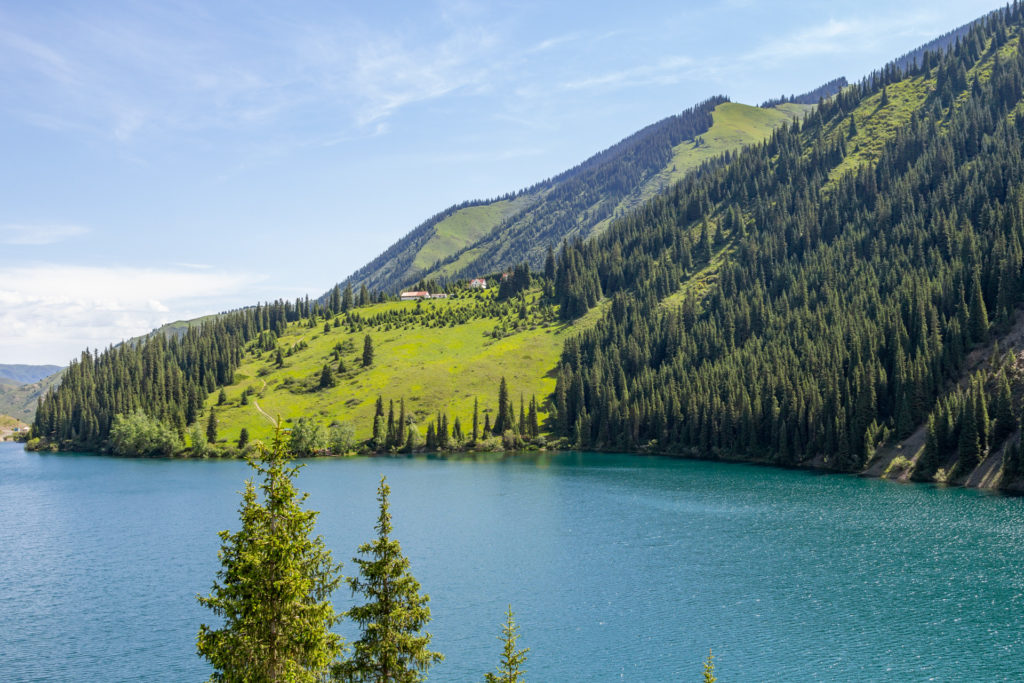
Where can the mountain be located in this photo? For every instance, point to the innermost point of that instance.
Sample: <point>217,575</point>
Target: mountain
<point>18,399</point>
<point>847,294</point>
<point>481,237</point>
<point>27,374</point>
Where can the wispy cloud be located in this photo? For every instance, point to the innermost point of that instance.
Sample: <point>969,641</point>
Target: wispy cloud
<point>152,72</point>
<point>37,235</point>
<point>379,73</point>
<point>550,43</point>
<point>843,36</point>
<point>665,71</point>
<point>51,312</point>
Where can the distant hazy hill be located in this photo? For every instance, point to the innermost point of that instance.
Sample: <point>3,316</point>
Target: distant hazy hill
<point>18,399</point>
<point>27,374</point>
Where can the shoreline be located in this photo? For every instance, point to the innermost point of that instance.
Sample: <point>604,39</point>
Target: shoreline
<point>987,476</point>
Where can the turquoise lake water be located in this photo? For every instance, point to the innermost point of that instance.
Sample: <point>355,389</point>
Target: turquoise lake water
<point>618,567</point>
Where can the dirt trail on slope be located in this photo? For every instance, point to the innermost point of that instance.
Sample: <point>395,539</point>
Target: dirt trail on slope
<point>262,412</point>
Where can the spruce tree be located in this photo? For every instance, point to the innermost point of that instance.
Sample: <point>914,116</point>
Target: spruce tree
<point>709,668</point>
<point>272,591</point>
<point>346,298</point>
<point>503,420</point>
<point>393,644</point>
<point>476,419</point>
<point>367,351</point>
<point>978,313</point>
<point>510,670</point>
<point>243,438</point>
<point>211,427</point>
<point>326,377</point>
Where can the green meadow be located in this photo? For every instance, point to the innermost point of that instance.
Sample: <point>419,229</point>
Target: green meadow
<point>439,355</point>
<point>464,227</point>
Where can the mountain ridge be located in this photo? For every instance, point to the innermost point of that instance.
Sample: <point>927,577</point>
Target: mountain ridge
<point>817,294</point>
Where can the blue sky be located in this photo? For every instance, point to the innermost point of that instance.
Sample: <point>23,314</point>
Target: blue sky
<point>166,160</point>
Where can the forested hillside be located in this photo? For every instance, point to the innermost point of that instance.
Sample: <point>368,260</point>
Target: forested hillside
<point>846,294</point>
<point>834,281</point>
<point>483,236</point>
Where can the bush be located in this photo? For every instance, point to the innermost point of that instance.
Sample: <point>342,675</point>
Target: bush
<point>200,447</point>
<point>341,438</point>
<point>307,437</point>
<point>139,435</point>
<point>898,466</point>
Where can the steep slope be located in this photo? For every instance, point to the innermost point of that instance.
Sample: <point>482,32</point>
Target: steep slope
<point>482,237</point>
<point>798,301</point>
<point>849,269</point>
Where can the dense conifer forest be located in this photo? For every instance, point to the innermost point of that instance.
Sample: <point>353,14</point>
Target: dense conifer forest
<point>844,301</point>
<point>808,299</point>
<point>571,203</point>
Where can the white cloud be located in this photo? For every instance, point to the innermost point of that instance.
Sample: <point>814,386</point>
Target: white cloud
<point>36,235</point>
<point>49,313</point>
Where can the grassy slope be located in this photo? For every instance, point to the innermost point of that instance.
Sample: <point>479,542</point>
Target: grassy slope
<point>735,126</point>
<point>877,125</point>
<point>432,368</point>
<point>464,227</point>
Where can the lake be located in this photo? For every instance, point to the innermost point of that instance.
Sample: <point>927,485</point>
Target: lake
<point>618,567</point>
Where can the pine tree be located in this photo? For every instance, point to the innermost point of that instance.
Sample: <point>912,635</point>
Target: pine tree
<point>211,427</point>
<point>709,668</point>
<point>510,669</point>
<point>476,419</point>
<point>243,438</point>
<point>326,377</point>
<point>393,645</point>
<point>503,420</point>
<point>929,460</point>
<point>222,397</point>
<point>1005,422</point>
<point>335,300</point>
<point>978,325</point>
<point>346,298</point>
<point>533,424</point>
<point>379,427</point>
<point>367,351</point>
<point>272,591</point>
